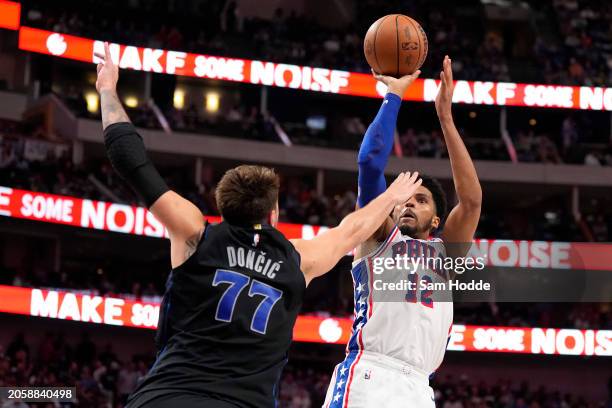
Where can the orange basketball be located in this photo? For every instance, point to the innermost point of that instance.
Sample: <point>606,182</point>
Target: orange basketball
<point>395,45</point>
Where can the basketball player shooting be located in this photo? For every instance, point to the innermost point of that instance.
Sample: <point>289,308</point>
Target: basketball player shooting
<point>235,289</point>
<point>396,345</point>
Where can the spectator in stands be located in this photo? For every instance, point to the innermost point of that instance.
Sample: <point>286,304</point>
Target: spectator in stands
<point>7,156</point>
<point>127,380</point>
<point>569,134</point>
<point>547,150</point>
<point>592,158</point>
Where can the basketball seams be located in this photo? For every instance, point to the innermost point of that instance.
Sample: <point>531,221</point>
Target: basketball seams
<point>418,34</point>
<point>425,45</point>
<point>374,43</point>
<point>397,45</point>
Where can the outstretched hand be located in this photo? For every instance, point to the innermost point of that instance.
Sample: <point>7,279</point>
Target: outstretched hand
<point>404,187</point>
<point>397,86</point>
<point>108,71</point>
<point>444,99</point>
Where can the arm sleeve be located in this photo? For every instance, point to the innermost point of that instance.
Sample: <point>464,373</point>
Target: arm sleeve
<point>375,149</point>
<point>128,155</point>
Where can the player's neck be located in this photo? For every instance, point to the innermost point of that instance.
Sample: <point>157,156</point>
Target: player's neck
<point>425,235</point>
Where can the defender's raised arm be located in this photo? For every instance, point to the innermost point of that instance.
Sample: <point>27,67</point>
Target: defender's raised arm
<point>320,254</point>
<point>128,156</point>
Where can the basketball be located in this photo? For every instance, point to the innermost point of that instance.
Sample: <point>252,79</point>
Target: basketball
<point>395,45</point>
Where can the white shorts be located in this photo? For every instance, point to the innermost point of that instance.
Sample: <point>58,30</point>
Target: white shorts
<point>371,380</point>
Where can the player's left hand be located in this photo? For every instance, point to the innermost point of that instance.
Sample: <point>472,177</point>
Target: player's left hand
<point>397,86</point>
<point>108,71</point>
<point>444,99</point>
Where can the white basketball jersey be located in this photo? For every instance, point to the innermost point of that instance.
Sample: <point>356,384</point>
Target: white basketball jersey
<point>414,329</point>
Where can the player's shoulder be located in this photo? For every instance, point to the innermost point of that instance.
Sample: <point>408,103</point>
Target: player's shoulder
<point>376,245</point>
<point>365,249</point>
<point>438,243</point>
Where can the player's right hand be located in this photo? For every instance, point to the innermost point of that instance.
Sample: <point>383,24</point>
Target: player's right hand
<point>397,86</point>
<point>444,99</point>
<point>108,71</point>
<point>404,187</point>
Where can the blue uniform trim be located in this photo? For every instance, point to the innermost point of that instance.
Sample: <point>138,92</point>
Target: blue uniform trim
<point>343,370</point>
<point>343,374</point>
<point>361,293</point>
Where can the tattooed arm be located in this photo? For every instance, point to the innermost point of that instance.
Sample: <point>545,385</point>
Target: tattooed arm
<point>185,224</point>
<point>127,153</point>
<point>112,109</point>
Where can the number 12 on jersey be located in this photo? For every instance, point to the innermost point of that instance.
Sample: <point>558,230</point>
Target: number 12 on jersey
<point>237,282</point>
<point>411,295</point>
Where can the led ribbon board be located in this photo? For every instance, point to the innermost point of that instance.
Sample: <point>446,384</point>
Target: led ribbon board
<point>127,219</point>
<point>310,78</point>
<point>119,311</point>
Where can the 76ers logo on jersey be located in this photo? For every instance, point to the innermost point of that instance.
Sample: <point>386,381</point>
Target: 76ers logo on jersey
<point>255,240</point>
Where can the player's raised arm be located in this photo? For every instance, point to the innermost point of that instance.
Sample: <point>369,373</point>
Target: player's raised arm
<point>463,219</point>
<point>378,140</point>
<point>376,147</point>
<point>128,156</point>
<point>320,254</point>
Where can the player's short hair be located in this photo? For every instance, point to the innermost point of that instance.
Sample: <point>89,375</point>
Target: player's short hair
<point>438,194</point>
<point>247,194</point>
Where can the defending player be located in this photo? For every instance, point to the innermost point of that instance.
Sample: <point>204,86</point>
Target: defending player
<point>397,345</point>
<point>232,298</point>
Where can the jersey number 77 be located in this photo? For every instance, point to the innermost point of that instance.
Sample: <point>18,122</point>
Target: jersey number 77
<point>237,282</point>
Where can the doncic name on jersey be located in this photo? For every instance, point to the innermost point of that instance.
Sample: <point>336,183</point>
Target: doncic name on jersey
<point>253,259</point>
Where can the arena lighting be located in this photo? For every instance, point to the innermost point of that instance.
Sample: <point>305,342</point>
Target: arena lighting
<point>126,219</point>
<point>9,15</point>
<point>93,101</point>
<point>129,312</point>
<point>179,98</point>
<point>131,101</point>
<point>312,79</point>
<point>212,102</point>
